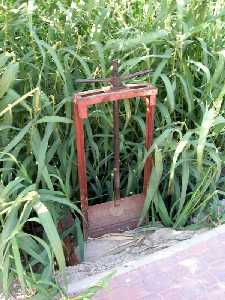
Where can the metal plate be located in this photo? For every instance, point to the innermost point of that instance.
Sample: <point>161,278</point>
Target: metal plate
<point>106,217</point>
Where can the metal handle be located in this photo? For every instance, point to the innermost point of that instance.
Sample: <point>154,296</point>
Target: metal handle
<point>93,80</point>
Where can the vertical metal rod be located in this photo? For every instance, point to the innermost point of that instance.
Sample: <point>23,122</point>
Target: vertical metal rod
<point>116,146</point>
<point>150,109</point>
<point>79,129</point>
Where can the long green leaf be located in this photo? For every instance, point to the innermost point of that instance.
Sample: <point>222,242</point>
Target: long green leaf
<point>18,263</point>
<point>206,124</point>
<point>52,234</point>
<point>8,77</point>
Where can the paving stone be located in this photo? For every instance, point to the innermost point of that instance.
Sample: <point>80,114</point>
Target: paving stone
<point>194,271</point>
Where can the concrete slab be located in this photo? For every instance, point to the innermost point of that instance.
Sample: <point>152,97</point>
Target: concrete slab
<point>113,250</point>
<point>192,269</point>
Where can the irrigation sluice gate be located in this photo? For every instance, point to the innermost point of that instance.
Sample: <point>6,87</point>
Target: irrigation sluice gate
<point>118,214</point>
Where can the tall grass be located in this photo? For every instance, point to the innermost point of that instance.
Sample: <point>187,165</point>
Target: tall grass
<point>45,47</point>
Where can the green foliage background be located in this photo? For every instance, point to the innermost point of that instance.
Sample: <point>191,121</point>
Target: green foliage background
<point>45,46</point>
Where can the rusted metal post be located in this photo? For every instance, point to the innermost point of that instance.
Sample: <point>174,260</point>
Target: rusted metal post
<point>150,109</point>
<point>116,146</point>
<point>81,165</point>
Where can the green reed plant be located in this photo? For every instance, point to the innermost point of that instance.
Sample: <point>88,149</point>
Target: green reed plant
<point>45,47</point>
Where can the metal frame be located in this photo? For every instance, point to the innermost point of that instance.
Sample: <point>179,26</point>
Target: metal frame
<point>81,102</point>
